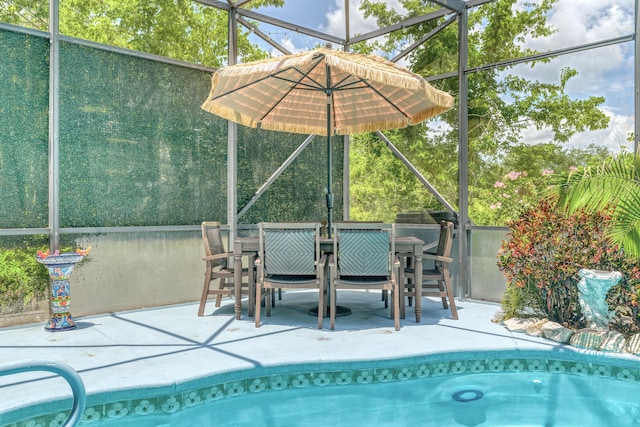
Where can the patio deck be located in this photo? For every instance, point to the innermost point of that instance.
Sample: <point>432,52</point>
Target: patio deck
<point>169,345</point>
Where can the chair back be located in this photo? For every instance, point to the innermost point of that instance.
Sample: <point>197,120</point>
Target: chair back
<point>445,242</point>
<point>364,249</point>
<point>289,248</point>
<point>213,244</point>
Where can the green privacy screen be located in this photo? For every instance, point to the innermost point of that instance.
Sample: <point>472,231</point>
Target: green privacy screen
<point>136,149</point>
<point>24,106</point>
<point>299,194</point>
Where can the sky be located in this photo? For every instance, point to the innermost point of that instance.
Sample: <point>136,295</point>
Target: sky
<point>606,72</point>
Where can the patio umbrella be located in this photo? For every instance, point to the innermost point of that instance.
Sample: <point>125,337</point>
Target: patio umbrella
<point>324,92</point>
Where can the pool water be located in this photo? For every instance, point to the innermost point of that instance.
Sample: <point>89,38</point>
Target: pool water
<point>458,389</point>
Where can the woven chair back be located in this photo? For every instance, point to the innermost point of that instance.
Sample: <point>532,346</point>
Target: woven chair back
<point>364,252</point>
<point>290,251</point>
<point>213,244</point>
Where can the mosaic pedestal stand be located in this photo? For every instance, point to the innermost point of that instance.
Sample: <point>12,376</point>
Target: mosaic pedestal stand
<point>60,268</point>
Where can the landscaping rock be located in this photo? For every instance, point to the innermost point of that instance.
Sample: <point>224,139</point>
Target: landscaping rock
<point>535,330</point>
<point>614,342</point>
<point>591,339</point>
<point>556,332</point>
<point>520,325</point>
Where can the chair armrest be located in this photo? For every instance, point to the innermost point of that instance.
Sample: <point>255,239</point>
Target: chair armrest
<point>260,270</point>
<point>437,258</point>
<point>217,256</point>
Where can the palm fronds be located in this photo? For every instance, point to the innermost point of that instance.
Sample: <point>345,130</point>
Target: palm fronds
<point>614,185</point>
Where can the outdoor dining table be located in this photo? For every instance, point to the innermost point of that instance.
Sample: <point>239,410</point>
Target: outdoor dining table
<point>406,247</point>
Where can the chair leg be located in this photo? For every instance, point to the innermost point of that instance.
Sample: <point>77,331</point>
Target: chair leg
<point>396,306</point>
<point>222,284</point>
<point>332,310</point>
<point>251,291</point>
<point>258,304</point>
<point>322,307</point>
<point>402,293</point>
<point>205,292</point>
<point>452,303</point>
<point>268,294</point>
<point>442,292</point>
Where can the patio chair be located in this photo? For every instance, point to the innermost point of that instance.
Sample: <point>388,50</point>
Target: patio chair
<point>436,281</point>
<point>364,258</point>
<point>217,268</point>
<point>289,258</point>
<point>385,293</point>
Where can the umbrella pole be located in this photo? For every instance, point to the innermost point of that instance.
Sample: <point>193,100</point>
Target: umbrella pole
<point>329,166</point>
<point>329,191</point>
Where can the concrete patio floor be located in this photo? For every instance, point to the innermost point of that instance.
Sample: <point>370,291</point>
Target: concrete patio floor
<point>170,345</point>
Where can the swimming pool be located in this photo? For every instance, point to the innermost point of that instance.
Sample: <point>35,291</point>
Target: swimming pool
<point>495,388</point>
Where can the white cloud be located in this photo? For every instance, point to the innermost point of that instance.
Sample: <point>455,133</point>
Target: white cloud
<point>606,71</point>
<point>579,22</point>
<point>613,137</point>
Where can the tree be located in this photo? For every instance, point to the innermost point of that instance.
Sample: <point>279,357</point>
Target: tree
<point>615,185</point>
<point>178,29</point>
<point>495,124</point>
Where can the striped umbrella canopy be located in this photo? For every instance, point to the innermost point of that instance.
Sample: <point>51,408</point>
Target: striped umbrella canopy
<point>324,92</point>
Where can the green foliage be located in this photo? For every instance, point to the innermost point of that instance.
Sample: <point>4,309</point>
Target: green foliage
<point>613,183</point>
<point>542,255</point>
<point>178,29</point>
<point>381,185</point>
<point>22,278</point>
<point>501,107</point>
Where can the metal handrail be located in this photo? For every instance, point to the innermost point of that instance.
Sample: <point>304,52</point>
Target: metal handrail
<point>65,371</point>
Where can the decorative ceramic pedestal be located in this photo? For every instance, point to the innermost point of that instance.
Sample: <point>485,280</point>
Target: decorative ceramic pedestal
<point>593,288</point>
<point>60,268</point>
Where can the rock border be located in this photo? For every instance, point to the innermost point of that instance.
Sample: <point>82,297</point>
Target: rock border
<point>589,338</point>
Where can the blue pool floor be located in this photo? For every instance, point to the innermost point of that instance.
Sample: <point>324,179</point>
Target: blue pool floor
<point>170,345</point>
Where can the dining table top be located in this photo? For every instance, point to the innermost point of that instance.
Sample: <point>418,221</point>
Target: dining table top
<point>404,244</point>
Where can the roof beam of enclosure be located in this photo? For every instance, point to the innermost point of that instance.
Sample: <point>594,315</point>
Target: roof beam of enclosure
<point>263,36</point>
<point>289,26</point>
<point>400,25</point>
<point>215,3</point>
<point>455,5</point>
<point>424,38</point>
<point>536,57</point>
<point>413,21</point>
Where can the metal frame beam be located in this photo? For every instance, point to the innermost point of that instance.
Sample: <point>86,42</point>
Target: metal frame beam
<point>636,138</point>
<point>455,5</point>
<point>232,140</point>
<point>463,155</point>
<point>54,126</point>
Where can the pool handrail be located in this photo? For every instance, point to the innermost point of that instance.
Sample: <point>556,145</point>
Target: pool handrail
<point>62,369</point>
